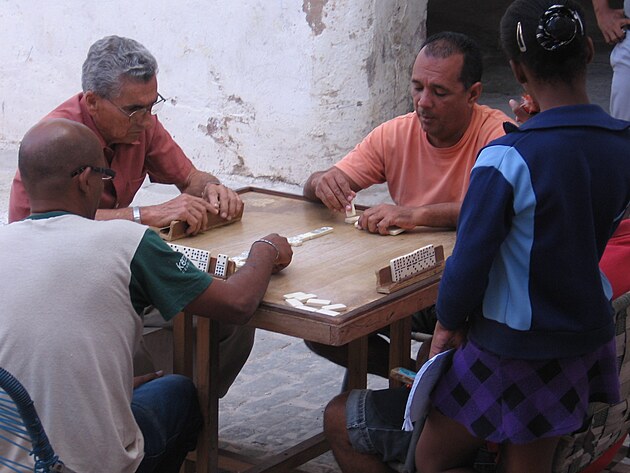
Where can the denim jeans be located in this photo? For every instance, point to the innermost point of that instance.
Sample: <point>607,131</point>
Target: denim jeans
<point>167,412</point>
<point>374,422</point>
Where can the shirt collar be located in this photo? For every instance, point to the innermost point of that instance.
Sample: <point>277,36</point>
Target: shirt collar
<point>51,214</point>
<point>589,115</point>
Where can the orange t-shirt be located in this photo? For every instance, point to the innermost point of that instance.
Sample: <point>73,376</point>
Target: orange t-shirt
<point>417,173</point>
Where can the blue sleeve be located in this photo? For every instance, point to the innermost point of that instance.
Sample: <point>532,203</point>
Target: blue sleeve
<point>164,278</point>
<point>484,222</point>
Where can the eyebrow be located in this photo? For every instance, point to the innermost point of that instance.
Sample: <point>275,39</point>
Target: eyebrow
<point>133,105</point>
<point>433,85</point>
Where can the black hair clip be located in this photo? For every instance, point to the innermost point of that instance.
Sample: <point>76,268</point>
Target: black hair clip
<point>558,26</point>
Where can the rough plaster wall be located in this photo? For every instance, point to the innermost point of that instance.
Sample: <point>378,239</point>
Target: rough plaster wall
<point>258,89</point>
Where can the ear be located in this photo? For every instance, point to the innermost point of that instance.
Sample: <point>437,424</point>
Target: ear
<point>590,50</point>
<point>92,101</point>
<point>519,73</point>
<point>83,180</point>
<point>474,92</point>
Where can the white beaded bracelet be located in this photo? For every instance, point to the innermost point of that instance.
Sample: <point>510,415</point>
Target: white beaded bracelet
<point>262,240</point>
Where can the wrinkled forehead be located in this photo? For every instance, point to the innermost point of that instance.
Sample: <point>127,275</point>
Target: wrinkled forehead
<point>137,92</point>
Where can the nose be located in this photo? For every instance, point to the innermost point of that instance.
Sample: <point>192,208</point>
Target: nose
<point>423,100</point>
<point>144,119</point>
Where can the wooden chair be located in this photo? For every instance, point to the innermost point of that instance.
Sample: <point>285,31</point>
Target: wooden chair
<point>592,448</point>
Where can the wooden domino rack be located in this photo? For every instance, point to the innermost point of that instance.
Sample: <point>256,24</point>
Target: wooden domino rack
<point>231,267</point>
<point>386,285</point>
<point>177,228</point>
<point>203,260</point>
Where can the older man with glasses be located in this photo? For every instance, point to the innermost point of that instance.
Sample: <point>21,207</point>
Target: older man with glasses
<point>119,103</point>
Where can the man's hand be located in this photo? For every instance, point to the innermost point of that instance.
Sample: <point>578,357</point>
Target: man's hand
<point>379,218</point>
<point>520,115</point>
<point>333,188</point>
<point>193,210</point>
<point>145,378</point>
<point>444,339</point>
<point>223,200</point>
<point>611,22</point>
<point>525,109</point>
<point>285,252</point>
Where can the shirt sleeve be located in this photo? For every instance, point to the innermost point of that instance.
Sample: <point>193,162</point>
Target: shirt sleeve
<point>365,163</point>
<point>165,161</point>
<point>164,278</point>
<point>485,221</point>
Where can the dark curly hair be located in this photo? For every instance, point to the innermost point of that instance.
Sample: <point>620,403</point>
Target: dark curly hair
<point>447,43</point>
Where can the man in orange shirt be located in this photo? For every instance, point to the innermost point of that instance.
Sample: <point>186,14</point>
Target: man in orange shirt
<point>425,157</point>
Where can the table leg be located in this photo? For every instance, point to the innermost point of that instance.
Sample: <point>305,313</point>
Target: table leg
<point>357,363</point>
<point>207,371</point>
<point>399,346</point>
<point>182,345</point>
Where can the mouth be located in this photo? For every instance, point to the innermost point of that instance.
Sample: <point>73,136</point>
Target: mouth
<point>424,117</point>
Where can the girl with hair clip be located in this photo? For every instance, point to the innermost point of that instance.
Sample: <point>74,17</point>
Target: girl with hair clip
<point>522,298</point>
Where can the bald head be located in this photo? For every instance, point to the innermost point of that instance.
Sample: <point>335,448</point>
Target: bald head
<point>51,151</point>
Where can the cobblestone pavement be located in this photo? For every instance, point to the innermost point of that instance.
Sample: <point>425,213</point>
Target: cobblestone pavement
<point>278,400</point>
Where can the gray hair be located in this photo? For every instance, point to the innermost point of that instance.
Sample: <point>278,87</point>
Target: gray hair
<point>112,59</point>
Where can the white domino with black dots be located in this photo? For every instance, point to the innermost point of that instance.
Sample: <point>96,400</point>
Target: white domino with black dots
<point>412,263</point>
<point>200,258</point>
<point>220,269</point>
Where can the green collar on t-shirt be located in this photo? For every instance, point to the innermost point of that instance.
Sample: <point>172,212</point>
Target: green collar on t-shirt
<point>51,214</point>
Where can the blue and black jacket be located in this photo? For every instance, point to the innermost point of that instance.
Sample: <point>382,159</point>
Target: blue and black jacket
<point>542,203</point>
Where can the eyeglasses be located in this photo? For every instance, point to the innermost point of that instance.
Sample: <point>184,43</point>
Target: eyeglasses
<point>140,112</point>
<point>107,173</point>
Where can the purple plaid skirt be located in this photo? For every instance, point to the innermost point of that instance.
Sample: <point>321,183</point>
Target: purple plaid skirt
<point>508,400</point>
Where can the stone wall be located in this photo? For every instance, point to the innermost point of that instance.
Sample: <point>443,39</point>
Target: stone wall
<point>262,90</point>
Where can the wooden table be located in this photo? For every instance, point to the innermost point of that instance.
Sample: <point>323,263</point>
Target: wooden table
<point>340,266</point>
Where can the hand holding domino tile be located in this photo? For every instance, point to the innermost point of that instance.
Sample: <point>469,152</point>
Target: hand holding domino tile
<point>333,188</point>
<point>387,219</point>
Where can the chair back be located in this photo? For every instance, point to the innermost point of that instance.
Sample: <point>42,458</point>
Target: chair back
<point>19,426</point>
<point>608,423</point>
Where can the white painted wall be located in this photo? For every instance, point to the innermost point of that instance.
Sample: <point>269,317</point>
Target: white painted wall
<point>261,90</point>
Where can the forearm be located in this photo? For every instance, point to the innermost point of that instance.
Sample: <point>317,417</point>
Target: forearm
<point>145,215</point>
<point>197,181</point>
<point>236,299</point>
<point>600,6</point>
<point>443,215</point>
<point>125,213</point>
